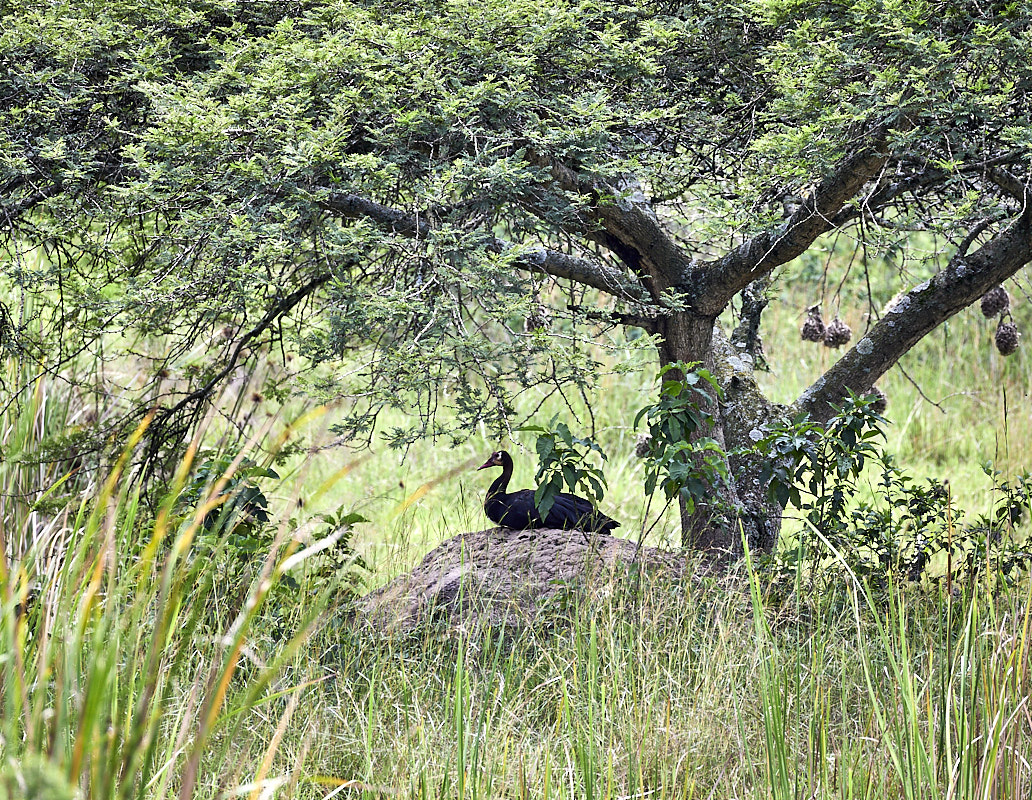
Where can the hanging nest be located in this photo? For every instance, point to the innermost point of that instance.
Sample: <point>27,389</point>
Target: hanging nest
<point>995,301</point>
<point>813,326</point>
<point>1007,334</point>
<point>837,334</point>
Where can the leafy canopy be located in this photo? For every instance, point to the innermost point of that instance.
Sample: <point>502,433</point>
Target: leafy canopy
<point>378,182</point>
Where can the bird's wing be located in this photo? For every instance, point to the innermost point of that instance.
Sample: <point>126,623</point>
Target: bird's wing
<point>568,510</point>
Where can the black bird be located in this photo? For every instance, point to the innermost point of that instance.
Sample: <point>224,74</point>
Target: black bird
<point>517,509</point>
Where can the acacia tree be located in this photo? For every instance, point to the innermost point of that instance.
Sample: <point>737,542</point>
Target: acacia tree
<point>400,185</point>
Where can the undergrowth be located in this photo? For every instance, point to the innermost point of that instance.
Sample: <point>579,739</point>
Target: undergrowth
<point>203,645</point>
<point>137,647</point>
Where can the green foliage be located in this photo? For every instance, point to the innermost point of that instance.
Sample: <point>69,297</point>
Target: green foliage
<point>181,172</point>
<point>901,691</point>
<point>991,544</point>
<point>562,460</point>
<point>238,533</point>
<point>239,507</point>
<point>391,192</point>
<point>851,693</point>
<point>681,458</point>
<point>827,459</point>
<point>233,142</point>
<point>35,778</point>
<point>338,565</point>
<point>907,530</point>
<point>929,672</point>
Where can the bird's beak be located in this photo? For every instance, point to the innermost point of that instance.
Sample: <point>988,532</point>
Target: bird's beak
<point>485,465</point>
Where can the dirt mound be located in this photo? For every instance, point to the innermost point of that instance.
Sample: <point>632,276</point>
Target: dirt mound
<point>505,576</point>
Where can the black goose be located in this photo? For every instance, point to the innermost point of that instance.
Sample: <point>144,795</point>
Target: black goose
<point>517,509</point>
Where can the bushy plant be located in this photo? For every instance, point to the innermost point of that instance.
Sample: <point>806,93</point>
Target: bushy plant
<point>903,529</point>
<point>680,457</point>
<point>562,460</point>
<point>226,494</point>
<point>240,507</point>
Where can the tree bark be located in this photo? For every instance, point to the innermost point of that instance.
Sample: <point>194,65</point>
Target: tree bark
<point>746,414</point>
<point>688,338</point>
<point>738,506</point>
<point>963,281</point>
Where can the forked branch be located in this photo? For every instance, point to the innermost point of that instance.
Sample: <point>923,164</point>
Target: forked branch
<point>713,283</point>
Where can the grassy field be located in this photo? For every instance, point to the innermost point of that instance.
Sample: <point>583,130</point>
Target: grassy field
<point>142,658</point>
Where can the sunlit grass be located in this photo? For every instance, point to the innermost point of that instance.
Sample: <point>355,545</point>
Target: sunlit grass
<point>130,657</point>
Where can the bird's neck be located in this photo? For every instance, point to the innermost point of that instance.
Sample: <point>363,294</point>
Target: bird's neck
<point>501,483</point>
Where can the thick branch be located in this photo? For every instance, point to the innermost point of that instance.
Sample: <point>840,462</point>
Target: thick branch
<point>540,260</point>
<point>34,189</point>
<point>353,206</point>
<point>1011,185</point>
<point>714,283</point>
<point>631,228</point>
<point>580,270</point>
<point>917,313</point>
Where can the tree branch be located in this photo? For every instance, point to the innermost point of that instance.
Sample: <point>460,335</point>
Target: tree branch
<point>631,228</point>
<point>963,281</point>
<point>1011,185</point>
<point>713,283</point>
<point>353,206</point>
<point>540,260</point>
<point>595,274</point>
<point>278,309</point>
<point>22,193</point>
<point>927,177</point>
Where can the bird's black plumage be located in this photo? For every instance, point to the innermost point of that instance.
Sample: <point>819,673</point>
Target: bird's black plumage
<point>517,509</point>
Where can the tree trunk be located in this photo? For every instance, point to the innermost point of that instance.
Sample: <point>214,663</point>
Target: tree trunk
<point>739,506</point>
<point>745,414</point>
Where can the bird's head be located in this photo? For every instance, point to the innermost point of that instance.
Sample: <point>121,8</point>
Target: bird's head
<point>497,459</point>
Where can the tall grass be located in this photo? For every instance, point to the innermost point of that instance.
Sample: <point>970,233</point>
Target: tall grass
<point>935,703</point>
<point>714,692</point>
<point>132,669</point>
<point>123,672</point>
